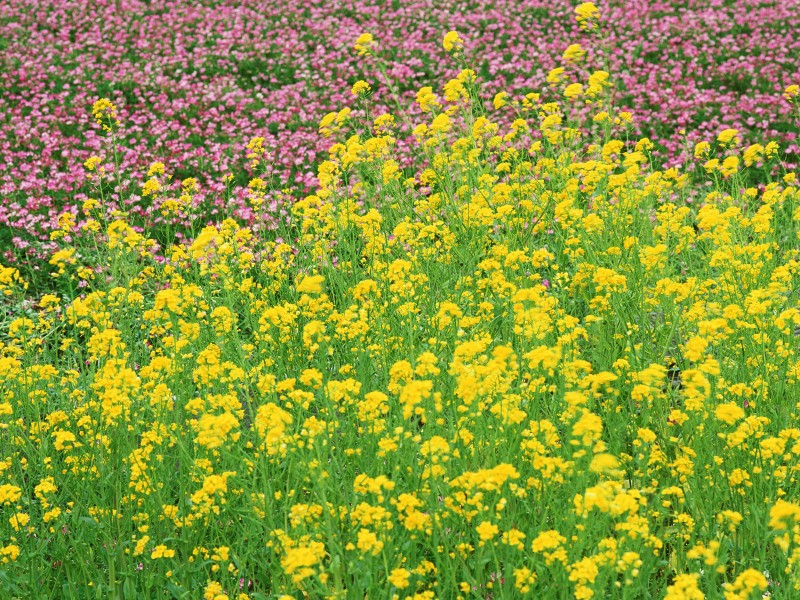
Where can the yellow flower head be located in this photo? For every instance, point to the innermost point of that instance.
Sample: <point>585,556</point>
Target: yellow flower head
<point>587,15</point>
<point>311,284</point>
<point>573,90</point>
<point>364,44</point>
<point>427,100</point>
<point>486,531</point>
<point>256,151</point>
<point>555,75</point>
<point>791,92</point>
<point>105,113</point>
<point>92,163</point>
<point>500,100</point>
<point>361,88</point>
<point>597,81</point>
<point>728,136</point>
<point>452,42</point>
<point>573,54</point>
<point>702,149</point>
<point>157,168</point>
<point>399,578</point>
<point>151,187</point>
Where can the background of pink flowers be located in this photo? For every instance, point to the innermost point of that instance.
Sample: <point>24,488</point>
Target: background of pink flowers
<point>195,80</point>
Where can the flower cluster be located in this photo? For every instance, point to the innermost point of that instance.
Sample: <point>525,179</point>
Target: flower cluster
<point>185,93</point>
<point>533,364</point>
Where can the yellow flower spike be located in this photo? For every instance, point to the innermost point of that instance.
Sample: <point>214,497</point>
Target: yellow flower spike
<point>771,149</point>
<point>427,100</point>
<point>685,587</point>
<point>791,92</point>
<point>730,166</point>
<point>19,520</point>
<point>728,136</point>
<point>467,76</point>
<point>9,553</point>
<point>161,551</point>
<point>361,88</point>
<point>364,44</point>
<point>310,284</point>
<point>555,75</point>
<point>441,124</point>
<point>384,123</point>
<point>92,163</point>
<point>454,91</point>
<point>325,125</point>
<point>500,100</point>
<point>573,54</point>
<point>702,149</point>
<point>105,113</point>
<point>487,531</point>
<point>399,578</point>
<point>452,42</point>
<point>256,151</point>
<point>597,82</point>
<point>157,168</point>
<point>151,187</point>
<point>573,91</point>
<point>587,15</point>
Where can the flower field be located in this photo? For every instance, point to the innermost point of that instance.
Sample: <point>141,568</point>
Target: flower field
<point>194,81</point>
<point>400,301</point>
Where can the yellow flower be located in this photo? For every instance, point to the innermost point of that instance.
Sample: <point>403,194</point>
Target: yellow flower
<point>524,578</point>
<point>452,42</point>
<point>256,151</point>
<point>364,44</point>
<point>597,81</point>
<point>9,553</point>
<point>369,542</point>
<point>399,578</point>
<point>92,163</point>
<point>727,136</point>
<point>157,168</point>
<point>310,284</point>
<point>360,88</point>
<point>19,520</point>
<point>214,591</point>
<point>784,515</point>
<point>555,75</point>
<point>500,100</point>
<point>753,154</point>
<point>574,53</point>
<point>587,15</point>
<point>791,92</point>
<point>441,124</point>
<point>702,149</point>
<point>487,531</point>
<point>427,99</point>
<point>751,580</point>
<point>141,544</point>
<point>161,551</point>
<point>685,587</point>
<point>151,187</point>
<point>573,90</point>
<point>729,413</point>
<point>105,113</point>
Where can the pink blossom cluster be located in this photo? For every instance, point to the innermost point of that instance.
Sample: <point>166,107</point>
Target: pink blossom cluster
<point>194,81</point>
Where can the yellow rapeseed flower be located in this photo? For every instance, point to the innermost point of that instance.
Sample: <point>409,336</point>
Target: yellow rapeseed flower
<point>452,42</point>
<point>364,44</point>
<point>360,88</point>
